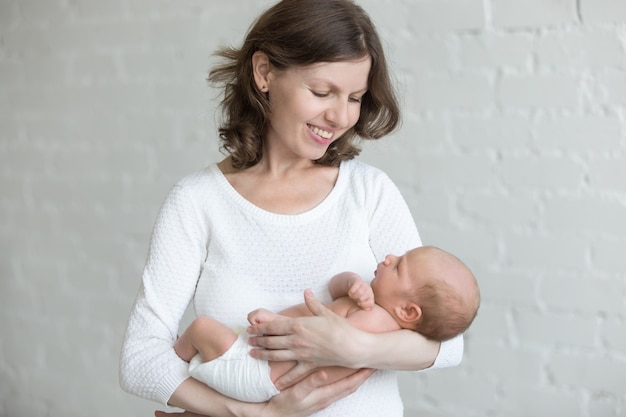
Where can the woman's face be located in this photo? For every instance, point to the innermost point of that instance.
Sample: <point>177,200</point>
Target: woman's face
<point>313,106</point>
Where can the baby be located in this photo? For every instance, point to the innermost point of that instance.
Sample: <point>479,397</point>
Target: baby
<point>427,290</point>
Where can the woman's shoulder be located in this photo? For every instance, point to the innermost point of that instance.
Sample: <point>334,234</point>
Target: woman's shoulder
<point>200,178</point>
<point>363,175</point>
<point>200,183</point>
<point>359,169</point>
<point>196,186</point>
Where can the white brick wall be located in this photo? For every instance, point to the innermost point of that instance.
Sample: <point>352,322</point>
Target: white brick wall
<point>512,155</point>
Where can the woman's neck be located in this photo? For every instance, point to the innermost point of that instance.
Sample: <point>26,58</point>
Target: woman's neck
<point>282,188</point>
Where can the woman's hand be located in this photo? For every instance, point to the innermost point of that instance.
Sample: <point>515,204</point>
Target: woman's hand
<point>313,394</point>
<point>325,339</point>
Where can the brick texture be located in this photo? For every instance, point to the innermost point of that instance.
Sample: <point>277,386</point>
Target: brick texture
<point>512,154</point>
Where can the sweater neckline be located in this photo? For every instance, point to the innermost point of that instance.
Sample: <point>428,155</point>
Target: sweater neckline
<point>318,210</point>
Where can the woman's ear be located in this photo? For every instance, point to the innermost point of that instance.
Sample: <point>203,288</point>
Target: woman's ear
<point>261,70</point>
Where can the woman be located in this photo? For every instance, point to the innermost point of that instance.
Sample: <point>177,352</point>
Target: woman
<point>285,211</point>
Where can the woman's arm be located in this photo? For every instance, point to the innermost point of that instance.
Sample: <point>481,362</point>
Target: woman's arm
<point>301,400</point>
<point>149,367</point>
<point>393,230</point>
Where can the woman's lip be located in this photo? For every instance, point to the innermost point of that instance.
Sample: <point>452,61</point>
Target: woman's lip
<point>321,131</point>
<point>319,139</point>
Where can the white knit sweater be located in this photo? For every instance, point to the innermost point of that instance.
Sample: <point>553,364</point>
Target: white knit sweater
<point>213,247</point>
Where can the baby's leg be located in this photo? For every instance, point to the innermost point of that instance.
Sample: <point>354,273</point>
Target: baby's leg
<point>205,336</point>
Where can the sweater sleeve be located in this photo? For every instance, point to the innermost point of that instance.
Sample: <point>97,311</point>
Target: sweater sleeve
<point>149,367</point>
<point>450,353</point>
<point>393,231</point>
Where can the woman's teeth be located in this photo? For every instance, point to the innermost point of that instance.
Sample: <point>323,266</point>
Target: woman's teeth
<point>320,132</point>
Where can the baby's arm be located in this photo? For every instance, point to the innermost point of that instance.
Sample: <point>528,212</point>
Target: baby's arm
<point>350,284</point>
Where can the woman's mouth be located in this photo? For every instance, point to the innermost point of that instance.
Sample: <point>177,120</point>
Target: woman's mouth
<point>324,134</point>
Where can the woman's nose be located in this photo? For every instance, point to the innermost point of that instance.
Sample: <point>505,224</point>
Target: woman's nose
<point>338,113</point>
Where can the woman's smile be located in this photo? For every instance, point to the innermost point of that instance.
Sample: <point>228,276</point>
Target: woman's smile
<point>321,136</point>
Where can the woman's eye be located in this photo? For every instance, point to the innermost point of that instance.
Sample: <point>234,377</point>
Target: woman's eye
<point>355,99</point>
<point>318,94</point>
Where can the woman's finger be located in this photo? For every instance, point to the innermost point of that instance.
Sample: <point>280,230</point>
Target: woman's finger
<point>315,305</point>
<point>272,355</point>
<point>325,395</point>
<point>289,326</point>
<point>294,375</point>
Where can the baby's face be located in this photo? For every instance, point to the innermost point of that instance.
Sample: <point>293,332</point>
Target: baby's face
<point>395,277</point>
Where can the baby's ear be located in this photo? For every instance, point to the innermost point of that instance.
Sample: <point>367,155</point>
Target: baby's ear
<point>409,312</point>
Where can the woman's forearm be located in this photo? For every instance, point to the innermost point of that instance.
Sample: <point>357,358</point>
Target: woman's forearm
<point>309,396</point>
<point>402,350</point>
<point>196,397</point>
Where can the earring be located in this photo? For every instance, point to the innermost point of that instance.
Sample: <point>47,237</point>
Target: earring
<point>264,88</point>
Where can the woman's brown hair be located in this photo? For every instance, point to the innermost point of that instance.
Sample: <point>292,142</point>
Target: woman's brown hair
<point>300,33</point>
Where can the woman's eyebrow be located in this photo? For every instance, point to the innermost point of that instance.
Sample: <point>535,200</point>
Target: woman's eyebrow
<point>334,86</point>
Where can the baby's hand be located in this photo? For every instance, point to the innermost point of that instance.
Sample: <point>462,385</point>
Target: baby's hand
<point>362,294</point>
<point>261,315</point>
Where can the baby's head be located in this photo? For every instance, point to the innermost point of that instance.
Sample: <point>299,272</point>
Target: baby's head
<point>428,290</point>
